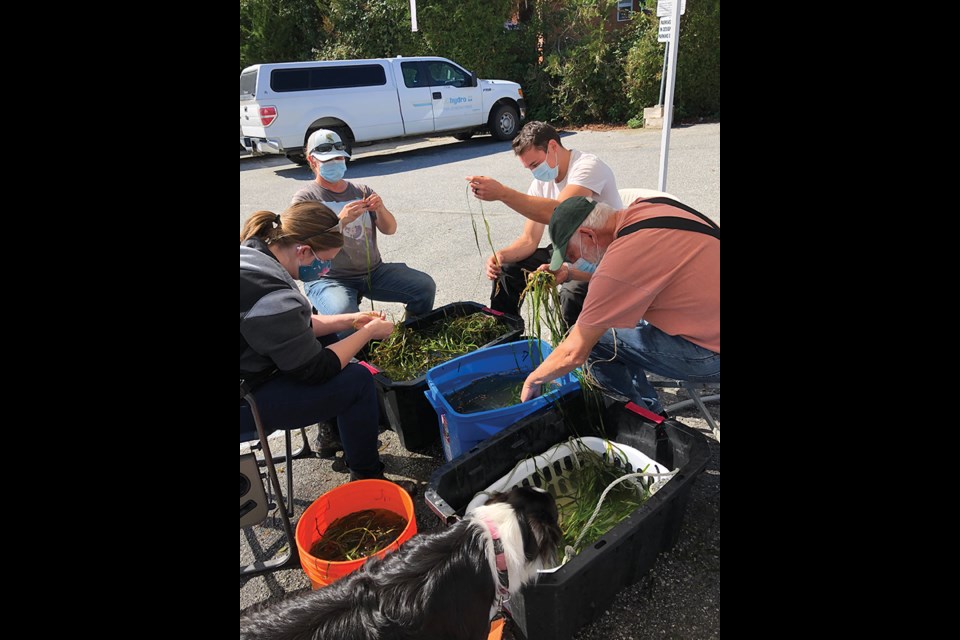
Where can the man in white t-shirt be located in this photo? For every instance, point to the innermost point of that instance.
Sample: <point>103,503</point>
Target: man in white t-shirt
<point>559,173</point>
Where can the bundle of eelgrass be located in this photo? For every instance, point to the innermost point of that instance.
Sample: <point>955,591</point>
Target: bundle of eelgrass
<point>543,307</point>
<point>358,535</point>
<point>407,354</point>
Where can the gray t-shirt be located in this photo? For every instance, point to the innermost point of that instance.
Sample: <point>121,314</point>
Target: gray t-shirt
<point>360,254</point>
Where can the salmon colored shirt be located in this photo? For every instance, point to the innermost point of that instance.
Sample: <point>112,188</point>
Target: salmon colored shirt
<point>668,277</point>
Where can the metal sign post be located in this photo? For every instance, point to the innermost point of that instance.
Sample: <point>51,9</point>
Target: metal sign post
<point>673,44</point>
<point>413,15</point>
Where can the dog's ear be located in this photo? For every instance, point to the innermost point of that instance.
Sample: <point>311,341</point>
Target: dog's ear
<point>537,515</point>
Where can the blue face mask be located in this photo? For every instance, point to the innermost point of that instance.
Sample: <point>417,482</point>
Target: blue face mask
<point>583,265</point>
<point>333,171</point>
<point>544,172</point>
<point>315,270</point>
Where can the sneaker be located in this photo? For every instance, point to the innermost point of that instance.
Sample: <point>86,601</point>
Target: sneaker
<point>328,441</point>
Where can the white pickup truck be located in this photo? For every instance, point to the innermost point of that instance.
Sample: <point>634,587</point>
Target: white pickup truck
<point>281,104</point>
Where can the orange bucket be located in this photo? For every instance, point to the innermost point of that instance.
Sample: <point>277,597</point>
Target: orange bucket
<point>341,501</point>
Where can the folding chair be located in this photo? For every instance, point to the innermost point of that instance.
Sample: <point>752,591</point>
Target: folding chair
<point>256,500</point>
<point>693,389</point>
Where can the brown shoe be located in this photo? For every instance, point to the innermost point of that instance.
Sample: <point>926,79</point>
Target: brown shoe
<point>328,440</point>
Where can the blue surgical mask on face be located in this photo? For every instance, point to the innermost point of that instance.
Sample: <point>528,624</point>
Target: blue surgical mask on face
<point>583,265</point>
<point>315,270</point>
<point>544,172</point>
<point>333,171</point>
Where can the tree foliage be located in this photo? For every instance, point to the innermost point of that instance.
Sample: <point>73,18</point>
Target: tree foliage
<point>368,29</point>
<point>575,62</point>
<point>279,30</point>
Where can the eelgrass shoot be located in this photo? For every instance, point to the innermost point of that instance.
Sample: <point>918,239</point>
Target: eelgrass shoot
<point>476,236</point>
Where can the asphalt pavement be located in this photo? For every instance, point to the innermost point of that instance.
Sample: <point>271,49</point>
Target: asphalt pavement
<point>422,183</point>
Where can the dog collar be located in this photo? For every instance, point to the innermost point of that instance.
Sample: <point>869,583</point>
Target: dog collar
<point>503,579</point>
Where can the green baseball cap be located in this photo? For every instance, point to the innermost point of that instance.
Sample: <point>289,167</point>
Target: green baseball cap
<point>566,219</point>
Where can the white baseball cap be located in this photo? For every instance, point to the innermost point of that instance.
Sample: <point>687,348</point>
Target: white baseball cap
<point>324,144</point>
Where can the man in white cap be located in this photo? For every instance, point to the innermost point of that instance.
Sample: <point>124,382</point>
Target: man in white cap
<point>654,298</point>
<point>358,269</point>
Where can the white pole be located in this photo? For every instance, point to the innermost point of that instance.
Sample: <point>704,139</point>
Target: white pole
<point>413,15</point>
<point>672,46</point>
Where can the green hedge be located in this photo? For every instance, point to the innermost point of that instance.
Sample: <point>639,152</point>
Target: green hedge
<point>591,71</point>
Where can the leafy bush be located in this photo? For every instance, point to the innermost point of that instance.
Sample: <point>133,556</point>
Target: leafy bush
<point>583,60</point>
<point>368,29</point>
<point>697,91</point>
<point>575,65</point>
<point>279,30</point>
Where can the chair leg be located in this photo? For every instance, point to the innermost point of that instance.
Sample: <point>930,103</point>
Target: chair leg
<point>292,556</point>
<point>305,450</point>
<point>290,507</point>
<point>695,396</point>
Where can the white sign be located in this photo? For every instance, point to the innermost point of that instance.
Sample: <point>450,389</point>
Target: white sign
<point>664,32</point>
<point>664,7</point>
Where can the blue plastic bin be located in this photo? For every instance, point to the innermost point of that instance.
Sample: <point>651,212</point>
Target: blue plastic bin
<point>460,432</point>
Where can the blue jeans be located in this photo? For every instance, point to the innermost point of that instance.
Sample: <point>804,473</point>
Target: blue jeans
<point>350,397</point>
<point>646,348</point>
<point>390,282</point>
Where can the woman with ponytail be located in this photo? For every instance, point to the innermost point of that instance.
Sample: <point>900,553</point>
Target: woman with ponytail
<point>298,380</point>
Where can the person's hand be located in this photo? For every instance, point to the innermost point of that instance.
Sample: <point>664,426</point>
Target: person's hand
<point>373,202</point>
<point>530,390</point>
<point>493,268</point>
<point>362,318</point>
<point>379,328</point>
<point>561,275</point>
<point>485,188</point>
<point>351,211</point>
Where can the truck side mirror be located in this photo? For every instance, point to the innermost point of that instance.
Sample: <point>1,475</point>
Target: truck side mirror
<point>473,79</point>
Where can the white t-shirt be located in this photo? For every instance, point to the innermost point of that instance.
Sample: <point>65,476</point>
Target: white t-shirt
<point>585,170</point>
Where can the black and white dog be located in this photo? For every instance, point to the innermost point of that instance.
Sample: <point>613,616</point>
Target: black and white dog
<point>442,585</point>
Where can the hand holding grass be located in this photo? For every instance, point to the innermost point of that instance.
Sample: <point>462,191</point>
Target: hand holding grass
<point>362,318</point>
<point>378,327</point>
<point>561,275</point>
<point>493,265</point>
<point>373,202</point>
<point>351,211</point>
<point>485,188</point>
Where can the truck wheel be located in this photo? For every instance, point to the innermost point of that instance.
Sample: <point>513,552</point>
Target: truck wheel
<point>297,158</point>
<point>505,122</point>
<point>459,136</point>
<point>346,136</point>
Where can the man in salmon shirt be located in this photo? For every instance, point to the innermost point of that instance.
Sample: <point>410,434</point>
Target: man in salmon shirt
<point>654,299</point>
